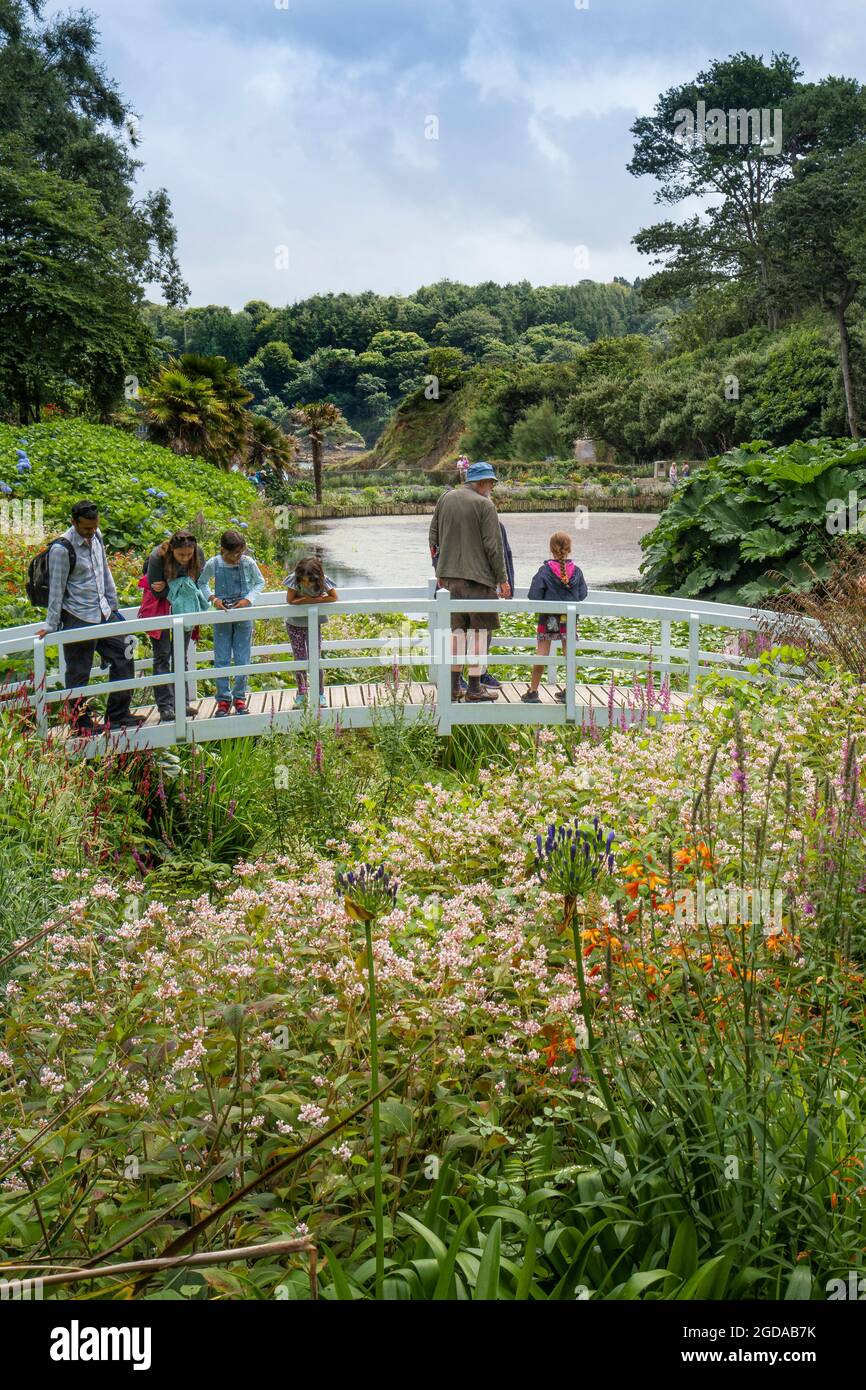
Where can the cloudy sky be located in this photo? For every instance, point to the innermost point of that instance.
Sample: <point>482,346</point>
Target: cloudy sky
<point>294,135</point>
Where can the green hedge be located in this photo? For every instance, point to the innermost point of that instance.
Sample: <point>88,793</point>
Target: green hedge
<point>71,460</point>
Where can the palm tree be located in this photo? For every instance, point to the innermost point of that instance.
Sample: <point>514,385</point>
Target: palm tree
<point>184,413</point>
<point>225,379</point>
<point>197,406</point>
<point>267,444</point>
<point>317,420</point>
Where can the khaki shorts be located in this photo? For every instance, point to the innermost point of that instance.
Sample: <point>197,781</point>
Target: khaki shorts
<point>467,588</point>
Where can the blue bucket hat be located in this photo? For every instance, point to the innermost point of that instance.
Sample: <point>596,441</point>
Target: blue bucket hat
<point>477,472</point>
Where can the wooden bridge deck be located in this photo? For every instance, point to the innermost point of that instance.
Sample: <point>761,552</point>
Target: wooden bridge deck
<point>355,706</point>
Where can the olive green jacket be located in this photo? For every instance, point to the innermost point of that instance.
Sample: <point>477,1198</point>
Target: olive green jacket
<point>466,538</point>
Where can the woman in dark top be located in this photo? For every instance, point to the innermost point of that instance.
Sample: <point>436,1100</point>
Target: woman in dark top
<point>180,555</point>
<point>561,579</point>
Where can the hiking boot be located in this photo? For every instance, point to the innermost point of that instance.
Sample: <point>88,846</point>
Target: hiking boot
<point>531,697</point>
<point>464,685</point>
<point>477,692</point>
<point>223,708</point>
<point>85,727</point>
<point>490,681</point>
<point>458,686</point>
<point>125,721</point>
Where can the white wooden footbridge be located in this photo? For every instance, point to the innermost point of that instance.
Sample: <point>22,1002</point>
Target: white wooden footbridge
<point>416,640</point>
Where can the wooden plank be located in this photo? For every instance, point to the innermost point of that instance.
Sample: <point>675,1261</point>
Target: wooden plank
<point>586,697</point>
<point>512,692</point>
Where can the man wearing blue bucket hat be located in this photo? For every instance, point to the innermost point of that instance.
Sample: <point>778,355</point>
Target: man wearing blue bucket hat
<point>466,537</point>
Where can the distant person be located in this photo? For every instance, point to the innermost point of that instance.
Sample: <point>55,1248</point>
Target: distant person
<point>237,583</point>
<point>687,472</point>
<point>179,557</point>
<point>307,584</point>
<point>82,593</point>
<point>466,538</point>
<point>672,475</point>
<point>558,579</point>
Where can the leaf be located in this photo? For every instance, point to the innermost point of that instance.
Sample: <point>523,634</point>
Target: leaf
<point>766,542</point>
<point>683,1259</point>
<point>527,1269</point>
<point>342,1287</point>
<point>487,1283</point>
<point>642,1279</point>
<point>799,1288</point>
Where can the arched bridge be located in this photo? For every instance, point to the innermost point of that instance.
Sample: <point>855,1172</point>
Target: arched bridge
<point>605,680</point>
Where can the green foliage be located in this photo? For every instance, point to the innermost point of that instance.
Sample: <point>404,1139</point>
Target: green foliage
<point>73,460</point>
<point>365,353</point>
<point>68,304</point>
<point>749,515</point>
<point>540,433</point>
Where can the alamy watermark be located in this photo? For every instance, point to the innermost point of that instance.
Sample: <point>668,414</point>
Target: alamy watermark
<point>736,127</point>
<point>21,1290</point>
<point>845,515</point>
<point>23,516</point>
<point>734,905</point>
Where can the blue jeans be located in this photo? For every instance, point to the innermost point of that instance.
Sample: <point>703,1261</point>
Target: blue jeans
<point>232,643</point>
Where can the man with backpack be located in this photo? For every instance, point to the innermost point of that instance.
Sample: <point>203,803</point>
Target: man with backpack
<point>78,591</point>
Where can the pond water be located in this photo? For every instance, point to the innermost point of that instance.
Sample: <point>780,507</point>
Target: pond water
<point>393,551</point>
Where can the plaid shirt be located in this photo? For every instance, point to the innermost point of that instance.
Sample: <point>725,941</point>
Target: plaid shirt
<point>87,592</point>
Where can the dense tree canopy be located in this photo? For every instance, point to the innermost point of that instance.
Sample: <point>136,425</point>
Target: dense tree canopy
<point>366,352</point>
<point>76,245</point>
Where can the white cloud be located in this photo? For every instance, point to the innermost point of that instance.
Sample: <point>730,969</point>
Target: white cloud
<point>546,147</point>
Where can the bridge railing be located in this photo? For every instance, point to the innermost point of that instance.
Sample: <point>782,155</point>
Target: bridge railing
<point>423,643</point>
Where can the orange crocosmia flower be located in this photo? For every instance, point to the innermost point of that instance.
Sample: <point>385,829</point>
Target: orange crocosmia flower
<point>667,907</point>
<point>632,916</point>
<point>632,889</point>
<point>834,1200</point>
<point>682,857</point>
<point>656,880</point>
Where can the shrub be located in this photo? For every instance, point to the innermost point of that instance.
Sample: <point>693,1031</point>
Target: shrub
<point>143,492</point>
<point>752,522</point>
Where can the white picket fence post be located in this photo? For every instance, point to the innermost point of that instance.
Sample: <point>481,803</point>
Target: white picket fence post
<point>694,647</point>
<point>442,659</point>
<point>178,636</point>
<point>571,663</point>
<point>39,701</point>
<point>314,677</point>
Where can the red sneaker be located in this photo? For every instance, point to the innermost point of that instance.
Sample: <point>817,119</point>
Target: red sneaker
<point>223,708</point>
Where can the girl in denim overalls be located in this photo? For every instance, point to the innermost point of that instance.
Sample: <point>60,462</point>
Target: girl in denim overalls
<point>237,583</point>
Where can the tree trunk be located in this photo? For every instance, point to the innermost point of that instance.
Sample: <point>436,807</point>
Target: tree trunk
<point>845,359</point>
<point>316,446</point>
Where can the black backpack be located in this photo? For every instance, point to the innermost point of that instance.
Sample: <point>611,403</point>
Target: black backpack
<point>37,572</point>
